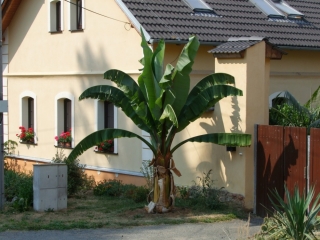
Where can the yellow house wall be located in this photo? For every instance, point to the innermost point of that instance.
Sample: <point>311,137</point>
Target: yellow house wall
<point>298,72</point>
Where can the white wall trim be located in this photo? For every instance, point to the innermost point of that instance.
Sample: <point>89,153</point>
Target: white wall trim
<point>115,121</point>
<point>42,74</point>
<point>89,167</point>
<point>34,96</point>
<point>70,97</point>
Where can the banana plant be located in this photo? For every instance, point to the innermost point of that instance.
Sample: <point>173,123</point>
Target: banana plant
<point>161,103</point>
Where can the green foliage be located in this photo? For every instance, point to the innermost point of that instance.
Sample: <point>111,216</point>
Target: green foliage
<point>287,115</point>
<point>77,179</point>
<point>115,188</point>
<point>18,188</point>
<point>291,219</point>
<point>162,103</point>
<point>202,194</point>
<point>289,112</point>
<point>9,147</point>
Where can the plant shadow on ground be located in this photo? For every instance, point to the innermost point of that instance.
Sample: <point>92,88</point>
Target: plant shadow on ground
<point>111,212</point>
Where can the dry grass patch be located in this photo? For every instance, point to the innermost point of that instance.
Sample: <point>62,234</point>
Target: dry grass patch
<point>101,212</point>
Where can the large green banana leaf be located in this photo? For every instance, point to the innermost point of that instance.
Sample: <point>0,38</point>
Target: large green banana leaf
<point>181,76</point>
<point>228,139</point>
<point>127,85</point>
<point>116,96</point>
<point>209,81</point>
<point>147,82</point>
<point>204,100</point>
<point>97,137</point>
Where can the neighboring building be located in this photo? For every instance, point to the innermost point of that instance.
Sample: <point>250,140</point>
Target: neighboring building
<point>56,49</point>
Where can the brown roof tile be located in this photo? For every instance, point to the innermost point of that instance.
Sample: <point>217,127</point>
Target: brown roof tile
<point>173,19</point>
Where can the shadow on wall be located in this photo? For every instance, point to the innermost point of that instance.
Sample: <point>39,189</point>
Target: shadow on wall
<point>273,176</point>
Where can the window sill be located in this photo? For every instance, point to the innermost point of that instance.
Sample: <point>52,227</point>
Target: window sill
<point>76,30</point>
<point>110,153</point>
<point>55,32</point>
<point>56,146</point>
<point>28,143</point>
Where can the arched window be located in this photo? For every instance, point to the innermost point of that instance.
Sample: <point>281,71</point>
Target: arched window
<point>64,112</point>
<point>106,117</point>
<point>55,9</point>
<point>28,110</point>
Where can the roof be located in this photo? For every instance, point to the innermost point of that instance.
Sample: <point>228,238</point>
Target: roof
<point>174,20</point>
<point>9,8</point>
<point>236,45</point>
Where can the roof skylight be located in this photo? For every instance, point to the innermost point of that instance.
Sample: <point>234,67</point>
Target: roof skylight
<point>287,9</point>
<point>267,8</point>
<point>198,6</point>
<point>277,9</point>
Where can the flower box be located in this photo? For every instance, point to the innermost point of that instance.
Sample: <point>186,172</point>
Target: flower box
<point>26,136</point>
<point>106,146</point>
<point>64,139</point>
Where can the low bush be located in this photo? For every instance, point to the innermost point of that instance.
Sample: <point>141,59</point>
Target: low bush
<point>115,188</point>
<point>18,189</point>
<point>77,178</point>
<point>202,194</point>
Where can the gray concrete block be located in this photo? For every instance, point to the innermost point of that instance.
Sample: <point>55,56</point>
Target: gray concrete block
<point>50,182</point>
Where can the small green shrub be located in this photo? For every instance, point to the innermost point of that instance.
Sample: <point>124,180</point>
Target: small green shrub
<point>291,219</point>
<point>140,194</point>
<point>109,187</point>
<point>77,179</point>
<point>115,188</point>
<point>18,188</point>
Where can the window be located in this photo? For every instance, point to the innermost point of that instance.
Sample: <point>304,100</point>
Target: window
<point>107,117</point>
<point>277,9</point>
<point>76,15</point>
<point>198,6</point>
<point>64,114</point>
<point>67,115</point>
<point>30,113</point>
<point>28,108</point>
<point>55,15</point>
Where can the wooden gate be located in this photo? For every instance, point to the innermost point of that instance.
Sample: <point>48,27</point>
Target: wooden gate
<point>281,157</point>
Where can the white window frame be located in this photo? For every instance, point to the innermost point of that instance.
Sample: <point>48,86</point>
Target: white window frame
<point>99,113</point>
<point>72,24</point>
<point>23,111</point>
<point>52,15</point>
<point>59,111</point>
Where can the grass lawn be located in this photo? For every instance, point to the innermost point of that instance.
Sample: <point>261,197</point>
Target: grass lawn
<point>92,211</point>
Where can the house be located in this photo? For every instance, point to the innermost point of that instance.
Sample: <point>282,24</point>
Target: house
<point>53,50</point>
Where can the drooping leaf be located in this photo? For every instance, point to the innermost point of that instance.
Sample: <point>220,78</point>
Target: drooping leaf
<point>116,96</point>
<point>202,101</point>
<point>314,101</point>
<point>209,81</point>
<point>97,137</point>
<point>228,139</point>
<point>127,85</point>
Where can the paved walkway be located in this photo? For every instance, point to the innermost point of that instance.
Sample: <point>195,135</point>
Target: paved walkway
<point>235,229</point>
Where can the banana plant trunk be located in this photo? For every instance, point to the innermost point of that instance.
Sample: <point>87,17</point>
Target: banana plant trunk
<point>161,199</point>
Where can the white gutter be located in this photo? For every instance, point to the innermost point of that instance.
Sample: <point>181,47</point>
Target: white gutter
<point>133,20</point>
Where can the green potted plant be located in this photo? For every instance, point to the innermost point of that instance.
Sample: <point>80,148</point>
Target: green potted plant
<point>26,135</point>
